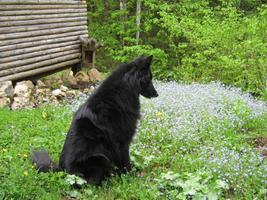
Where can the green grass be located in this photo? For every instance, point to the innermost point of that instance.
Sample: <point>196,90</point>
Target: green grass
<point>199,163</point>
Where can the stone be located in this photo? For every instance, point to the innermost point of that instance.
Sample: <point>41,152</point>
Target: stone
<point>81,77</point>
<point>22,102</point>
<point>4,102</point>
<point>40,84</point>
<point>6,89</point>
<point>56,92</point>
<point>23,95</point>
<point>92,88</point>
<point>23,89</point>
<point>64,88</point>
<point>95,75</point>
<point>52,98</point>
<point>71,94</point>
<point>86,90</point>
<point>71,79</point>
<point>42,92</point>
<point>42,96</point>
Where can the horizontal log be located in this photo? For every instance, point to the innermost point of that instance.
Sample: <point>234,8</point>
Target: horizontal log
<point>41,32</point>
<point>34,72</point>
<point>42,37</point>
<point>42,21</point>
<point>40,6</point>
<point>39,64</point>
<point>39,53</point>
<point>40,12</point>
<point>37,48</point>
<point>41,2</point>
<point>28,61</point>
<point>40,27</point>
<point>38,43</point>
<point>32,17</point>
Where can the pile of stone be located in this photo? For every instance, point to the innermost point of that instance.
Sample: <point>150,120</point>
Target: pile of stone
<point>82,79</point>
<point>27,94</point>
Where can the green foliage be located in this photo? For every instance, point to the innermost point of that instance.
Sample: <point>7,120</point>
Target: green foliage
<point>199,185</point>
<point>75,180</point>
<point>19,136</point>
<point>200,41</point>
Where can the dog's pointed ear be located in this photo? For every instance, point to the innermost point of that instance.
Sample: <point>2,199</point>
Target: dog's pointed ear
<point>147,62</point>
<point>143,62</point>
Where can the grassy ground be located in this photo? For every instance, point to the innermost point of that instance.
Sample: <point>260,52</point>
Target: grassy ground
<point>193,141</point>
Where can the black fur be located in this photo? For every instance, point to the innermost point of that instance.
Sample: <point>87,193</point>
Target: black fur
<point>103,127</point>
<point>43,162</point>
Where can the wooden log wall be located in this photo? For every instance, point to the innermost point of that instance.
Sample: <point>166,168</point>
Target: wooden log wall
<point>39,36</point>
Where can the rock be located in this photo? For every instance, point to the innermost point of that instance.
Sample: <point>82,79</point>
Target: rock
<point>4,102</point>
<point>95,75</point>
<point>56,92</point>
<point>22,102</point>
<point>262,150</point>
<point>71,79</point>
<point>40,84</point>
<point>42,95</point>
<point>64,88</point>
<point>81,77</point>
<point>6,89</point>
<point>59,81</point>
<point>43,92</point>
<point>92,88</point>
<point>23,95</point>
<point>88,90</point>
<point>63,94</point>
<point>23,89</point>
<point>71,93</point>
<point>52,98</point>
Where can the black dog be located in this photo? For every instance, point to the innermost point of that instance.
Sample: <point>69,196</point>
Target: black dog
<point>103,127</point>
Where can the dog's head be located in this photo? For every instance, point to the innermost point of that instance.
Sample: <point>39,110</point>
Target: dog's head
<point>143,76</point>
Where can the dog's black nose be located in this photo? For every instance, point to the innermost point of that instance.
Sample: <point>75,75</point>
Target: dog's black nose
<point>155,94</point>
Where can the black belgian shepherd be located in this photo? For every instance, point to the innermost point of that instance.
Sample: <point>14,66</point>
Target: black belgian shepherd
<point>103,127</point>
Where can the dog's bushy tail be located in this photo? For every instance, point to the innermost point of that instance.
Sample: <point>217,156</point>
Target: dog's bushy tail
<point>43,162</point>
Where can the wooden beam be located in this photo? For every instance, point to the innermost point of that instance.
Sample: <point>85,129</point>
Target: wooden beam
<point>23,62</point>
<point>31,17</point>
<point>4,37</point>
<point>40,6</point>
<point>41,2</point>
<point>34,72</point>
<point>38,64</point>
<point>42,37</point>
<point>37,48</point>
<point>40,12</point>
<point>38,53</point>
<point>17,29</point>
<point>42,21</point>
<point>38,43</point>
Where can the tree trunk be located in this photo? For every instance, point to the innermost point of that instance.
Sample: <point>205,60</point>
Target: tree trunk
<point>138,20</point>
<point>123,8</point>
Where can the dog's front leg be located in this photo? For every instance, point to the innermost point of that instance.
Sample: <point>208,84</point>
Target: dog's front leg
<point>125,158</point>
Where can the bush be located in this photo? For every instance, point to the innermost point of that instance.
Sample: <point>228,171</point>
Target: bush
<point>191,40</point>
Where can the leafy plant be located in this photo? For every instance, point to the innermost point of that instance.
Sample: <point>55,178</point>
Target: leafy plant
<point>199,185</point>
